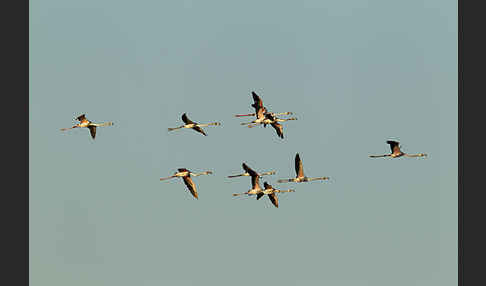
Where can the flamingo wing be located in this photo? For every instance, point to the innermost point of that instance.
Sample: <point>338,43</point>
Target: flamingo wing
<point>249,170</point>
<point>92,131</point>
<point>260,112</point>
<point>190,185</point>
<point>245,167</point>
<point>199,129</point>
<point>257,102</point>
<point>273,198</point>
<point>394,146</point>
<point>279,128</point>
<point>186,119</point>
<point>255,180</point>
<point>267,186</point>
<point>298,166</point>
<point>253,174</point>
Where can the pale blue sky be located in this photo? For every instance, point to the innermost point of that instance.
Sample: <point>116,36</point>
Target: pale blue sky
<point>355,74</point>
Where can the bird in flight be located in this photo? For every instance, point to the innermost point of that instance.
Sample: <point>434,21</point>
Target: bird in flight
<point>260,110</point>
<point>396,152</point>
<point>274,122</point>
<point>191,124</point>
<point>83,122</point>
<point>258,104</point>
<point>255,185</point>
<point>185,174</point>
<point>246,174</point>
<point>300,173</point>
<point>272,193</point>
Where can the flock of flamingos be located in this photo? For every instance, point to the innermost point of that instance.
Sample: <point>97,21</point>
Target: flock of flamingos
<point>263,116</point>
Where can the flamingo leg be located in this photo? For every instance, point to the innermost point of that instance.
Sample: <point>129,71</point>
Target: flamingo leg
<point>284,191</point>
<point>234,176</point>
<point>267,173</point>
<point>247,123</point>
<point>283,120</point>
<point>202,173</point>
<point>102,124</point>
<point>208,124</point>
<point>253,125</point>
<point>320,178</point>
<point>415,155</point>
<point>281,113</point>
<point>379,156</point>
<point>285,180</point>
<point>234,195</point>
<point>240,115</point>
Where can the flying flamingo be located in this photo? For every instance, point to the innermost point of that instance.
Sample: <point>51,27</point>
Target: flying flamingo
<point>270,119</point>
<point>300,173</point>
<point>83,122</point>
<point>193,125</point>
<point>255,185</point>
<point>271,192</point>
<point>246,174</point>
<point>396,152</point>
<point>257,104</point>
<point>272,113</point>
<point>185,174</point>
<point>260,115</point>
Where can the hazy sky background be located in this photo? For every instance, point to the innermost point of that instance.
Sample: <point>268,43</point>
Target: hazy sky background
<point>355,74</point>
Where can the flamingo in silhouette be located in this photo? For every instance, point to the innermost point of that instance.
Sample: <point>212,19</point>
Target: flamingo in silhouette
<point>185,174</point>
<point>193,125</point>
<point>83,122</point>
<point>300,173</point>
<point>396,152</point>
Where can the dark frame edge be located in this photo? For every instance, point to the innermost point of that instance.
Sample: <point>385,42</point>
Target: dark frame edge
<point>460,144</point>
